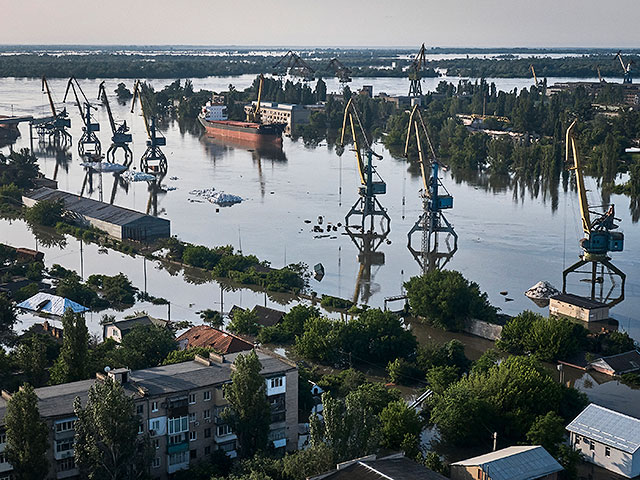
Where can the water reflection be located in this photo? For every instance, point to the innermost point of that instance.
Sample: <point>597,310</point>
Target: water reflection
<point>218,148</point>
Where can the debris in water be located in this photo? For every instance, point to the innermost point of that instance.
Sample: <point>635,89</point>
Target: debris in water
<point>307,221</point>
<point>205,193</point>
<point>541,292</point>
<point>504,293</point>
<point>132,176</point>
<point>104,166</point>
<point>224,199</point>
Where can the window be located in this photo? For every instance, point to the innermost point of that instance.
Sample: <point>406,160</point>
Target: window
<point>176,458</point>
<point>156,462</point>
<point>175,439</point>
<point>64,445</point>
<point>192,417</point>
<point>178,425</point>
<point>223,430</point>
<point>278,434</point>
<point>3,458</point>
<point>607,452</point>
<point>66,465</point>
<point>139,409</point>
<point>140,428</point>
<point>3,437</point>
<point>206,414</point>
<point>192,398</point>
<point>227,446</point>
<point>577,439</point>
<point>207,433</point>
<point>276,382</point>
<point>193,454</point>
<point>207,450</point>
<point>155,444</point>
<point>592,445</point>
<point>155,424</point>
<point>207,395</point>
<point>64,426</point>
<point>193,436</point>
<point>154,406</point>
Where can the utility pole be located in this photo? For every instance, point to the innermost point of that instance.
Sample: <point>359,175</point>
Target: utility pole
<point>495,440</point>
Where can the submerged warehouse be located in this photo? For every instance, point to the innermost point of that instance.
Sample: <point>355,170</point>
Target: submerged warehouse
<point>121,223</point>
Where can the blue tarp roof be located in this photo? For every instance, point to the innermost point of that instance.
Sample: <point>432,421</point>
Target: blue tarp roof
<point>52,304</point>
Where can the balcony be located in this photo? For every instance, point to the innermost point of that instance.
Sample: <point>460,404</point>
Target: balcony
<point>178,447</point>
<point>178,407</point>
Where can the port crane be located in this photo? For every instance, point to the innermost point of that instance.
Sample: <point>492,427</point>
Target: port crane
<point>153,160</point>
<point>293,65</point>
<point>626,69</point>
<point>89,143</point>
<point>415,73</point>
<point>535,78</point>
<point>121,138</point>
<point>343,73</point>
<point>367,207</point>
<point>600,239</point>
<point>602,80</point>
<point>254,114</point>
<point>56,125</point>
<point>432,221</point>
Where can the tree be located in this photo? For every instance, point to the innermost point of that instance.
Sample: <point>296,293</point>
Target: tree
<point>145,346</point>
<point>440,377</point>
<point>31,356</point>
<point>107,443</point>
<point>548,431</point>
<point>307,463</point>
<point>398,421</point>
<point>514,332</point>
<point>447,300</point>
<point>71,364</point>
<point>27,436</point>
<point>248,413</point>
<point>244,322</point>
<point>46,212</point>
<point>212,317</point>
<point>8,318</point>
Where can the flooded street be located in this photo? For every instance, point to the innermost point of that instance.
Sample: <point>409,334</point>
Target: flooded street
<point>508,239</point>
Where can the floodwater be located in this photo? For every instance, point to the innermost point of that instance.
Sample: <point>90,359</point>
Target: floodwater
<point>509,238</point>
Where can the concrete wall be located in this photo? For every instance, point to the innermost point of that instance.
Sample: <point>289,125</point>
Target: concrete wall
<point>618,461</point>
<point>483,329</point>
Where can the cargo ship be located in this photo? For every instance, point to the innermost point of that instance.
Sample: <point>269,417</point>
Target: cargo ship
<point>214,119</point>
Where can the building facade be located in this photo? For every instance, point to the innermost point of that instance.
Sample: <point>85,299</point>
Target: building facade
<point>577,308</point>
<point>290,114</point>
<point>608,439</point>
<point>179,407</point>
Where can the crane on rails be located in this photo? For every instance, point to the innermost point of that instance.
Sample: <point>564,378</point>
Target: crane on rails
<point>293,65</point>
<point>599,239</point>
<point>627,73</point>
<point>340,70</point>
<point>153,159</point>
<point>89,143</point>
<point>432,221</point>
<point>55,126</point>
<point>415,73</point>
<point>367,207</point>
<point>121,138</point>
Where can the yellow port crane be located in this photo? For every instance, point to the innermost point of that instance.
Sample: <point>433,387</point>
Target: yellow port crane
<point>254,114</point>
<point>602,80</point>
<point>535,78</point>
<point>626,69</point>
<point>432,221</point>
<point>153,159</point>
<point>599,238</point>
<point>415,73</point>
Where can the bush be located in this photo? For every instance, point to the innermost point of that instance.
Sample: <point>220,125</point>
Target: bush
<point>46,212</point>
<point>10,196</point>
<point>447,300</point>
<point>245,323</point>
<point>327,301</point>
<point>402,372</point>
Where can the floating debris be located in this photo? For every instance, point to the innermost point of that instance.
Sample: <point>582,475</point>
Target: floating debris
<point>504,293</point>
<point>174,178</point>
<point>132,176</point>
<point>541,292</point>
<point>104,166</point>
<point>205,193</point>
<point>224,199</point>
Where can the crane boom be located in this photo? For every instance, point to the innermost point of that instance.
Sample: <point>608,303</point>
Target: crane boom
<point>254,116</point>
<point>572,149</point>
<point>533,71</point>
<point>45,88</point>
<point>102,95</point>
<point>351,114</point>
<point>137,93</point>
<point>71,86</point>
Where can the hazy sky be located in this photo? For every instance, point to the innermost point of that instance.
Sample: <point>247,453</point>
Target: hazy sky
<point>580,23</point>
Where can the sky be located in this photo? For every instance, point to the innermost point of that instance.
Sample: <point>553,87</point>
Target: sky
<point>446,23</point>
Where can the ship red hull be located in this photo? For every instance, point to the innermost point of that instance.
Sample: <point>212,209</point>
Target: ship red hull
<point>247,131</point>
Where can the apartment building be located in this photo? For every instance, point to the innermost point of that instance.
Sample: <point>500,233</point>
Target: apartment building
<point>290,114</point>
<point>179,407</point>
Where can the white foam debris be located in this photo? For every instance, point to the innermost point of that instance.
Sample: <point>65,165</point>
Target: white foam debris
<point>222,198</point>
<point>132,176</point>
<point>203,192</point>
<point>542,290</point>
<point>104,166</point>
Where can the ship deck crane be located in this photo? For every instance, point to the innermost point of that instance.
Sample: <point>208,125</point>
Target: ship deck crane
<point>254,115</point>
<point>294,65</point>
<point>153,160</point>
<point>121,138</point>
<point>599,238</point>
<point>89,143</point>
<point>626,69</point>
<point>432,221</point>
<point>415,73</point>
<point>367,207</point>
<point>55,127</point>
<point>341,71</point>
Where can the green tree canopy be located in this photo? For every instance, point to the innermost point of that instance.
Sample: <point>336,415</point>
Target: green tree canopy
<point>8,318</point>
<point>71,364</point>
<point>145,346</point>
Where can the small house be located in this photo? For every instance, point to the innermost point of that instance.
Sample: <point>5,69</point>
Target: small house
<point>608,439</point>
<point>619,364</point>
<point>268,317</point>
<point>526,462</point>
<point>578,308</point>
<point>118,329</point>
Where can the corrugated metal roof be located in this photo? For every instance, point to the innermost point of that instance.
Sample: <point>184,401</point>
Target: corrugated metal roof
<point>90,208</point>
<point>515,463</point>
<point>609,427</point>
<point>53,304</point>
<point>620,363</point>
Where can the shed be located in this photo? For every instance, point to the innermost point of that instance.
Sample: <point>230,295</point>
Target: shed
<point>118,329</point>
<point>51,304</point>
<point>526,462</point>
<point>119,222</point>
<point>619,364</point>
<point>578,308</point>
<point>608,439</point>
